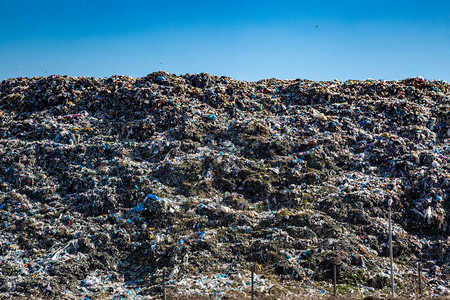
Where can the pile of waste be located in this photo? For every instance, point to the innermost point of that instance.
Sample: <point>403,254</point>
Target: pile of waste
<point>108,184</point>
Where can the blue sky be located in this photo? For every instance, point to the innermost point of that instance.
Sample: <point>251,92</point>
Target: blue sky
<point>248,40</point>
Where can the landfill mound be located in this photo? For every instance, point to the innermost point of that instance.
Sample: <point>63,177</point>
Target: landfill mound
<point>106,184</point>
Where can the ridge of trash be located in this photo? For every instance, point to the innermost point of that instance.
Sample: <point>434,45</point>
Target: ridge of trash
<point>106,183</point>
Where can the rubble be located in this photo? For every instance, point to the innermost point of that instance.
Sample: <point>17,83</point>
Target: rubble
<point>106,183</point>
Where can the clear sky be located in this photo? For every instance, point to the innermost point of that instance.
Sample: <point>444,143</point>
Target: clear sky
<point>249,40</point>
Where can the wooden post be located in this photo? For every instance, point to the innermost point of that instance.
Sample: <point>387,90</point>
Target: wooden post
<point>164,284</point>
<point>419,267</point>
<point>390,254</point>
<point>334,280</point>
<point>253,275</point>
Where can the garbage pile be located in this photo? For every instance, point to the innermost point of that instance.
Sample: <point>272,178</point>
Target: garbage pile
<point>106,184</point>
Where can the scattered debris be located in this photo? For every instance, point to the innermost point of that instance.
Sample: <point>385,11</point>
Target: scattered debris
<point>106,182</point>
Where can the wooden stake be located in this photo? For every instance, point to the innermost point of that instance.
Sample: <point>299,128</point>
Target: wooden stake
<point>419,267</point>
<point>164,284</point>
<point>253,275</point>
<point>390,254</point>
<point>334,280</point>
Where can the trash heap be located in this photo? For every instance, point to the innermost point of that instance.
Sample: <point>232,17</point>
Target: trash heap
<point>106,184</point>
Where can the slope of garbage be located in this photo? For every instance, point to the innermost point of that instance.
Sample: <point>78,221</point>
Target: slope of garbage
<point>106,184</point>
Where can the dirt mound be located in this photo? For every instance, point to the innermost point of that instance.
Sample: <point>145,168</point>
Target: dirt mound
<point>107,182</point>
